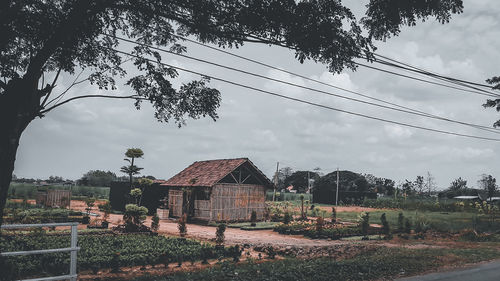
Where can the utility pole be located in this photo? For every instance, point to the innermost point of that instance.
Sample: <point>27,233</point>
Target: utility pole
<point>276,180</point>
<point>337,193</point>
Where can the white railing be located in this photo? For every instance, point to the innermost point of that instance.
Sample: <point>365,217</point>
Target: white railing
<point>73,249</point>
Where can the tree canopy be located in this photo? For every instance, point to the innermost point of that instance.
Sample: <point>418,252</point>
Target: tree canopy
<point>43,39</point>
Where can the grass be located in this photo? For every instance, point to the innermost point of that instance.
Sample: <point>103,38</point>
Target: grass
<point>382,263</point>
<point>247,225</point>
<point>441,221</point>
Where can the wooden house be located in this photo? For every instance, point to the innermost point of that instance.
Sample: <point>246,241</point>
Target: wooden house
<point>218,190</point>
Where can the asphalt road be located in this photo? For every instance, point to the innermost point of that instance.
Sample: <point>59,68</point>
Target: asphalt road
<point>484,272</point>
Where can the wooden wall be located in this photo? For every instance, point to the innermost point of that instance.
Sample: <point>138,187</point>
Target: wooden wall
<point>175,202</point>
<point>54,198</point>
<point>235,202</point>
<point>228,202</point>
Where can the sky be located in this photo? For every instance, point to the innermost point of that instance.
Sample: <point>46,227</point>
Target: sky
<point>91,134</point>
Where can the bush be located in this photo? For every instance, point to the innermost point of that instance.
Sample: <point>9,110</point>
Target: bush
<point>334,215</point>
<point>181,225</point>
<point>364,224</point>
<point>320,223</point>
<point>219,234</point>
<point>401,222</point>
<point>155,222</point>
<point>385,225</point>
<point>407,226</point>
<point>253,218</point>
<point>134,217</point>
<point>287,218</point>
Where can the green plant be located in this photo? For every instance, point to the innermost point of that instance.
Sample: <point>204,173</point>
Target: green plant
<point>134,217</point>
<point>253,218</point>
<point>106,209</point>
<point>287,218</point>
<point>334,215</point>
<point>219,234</point>
<point>235,252</point>
<point>271,252</point>
<point>401,222</point>
<point>364,223</point>
<point>421,225</point>
<point>320,223</point>
<point>386,229</point>
<point>407,228</point>
<point>155,222</point>
<point>181,225</point>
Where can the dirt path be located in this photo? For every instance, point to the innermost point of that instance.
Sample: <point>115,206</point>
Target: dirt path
<point>233,235</point>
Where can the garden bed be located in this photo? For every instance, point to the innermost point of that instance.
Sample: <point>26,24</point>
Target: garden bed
<point>102,251</point>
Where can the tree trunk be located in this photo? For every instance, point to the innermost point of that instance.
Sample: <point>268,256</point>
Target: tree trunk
<point>19,105</point>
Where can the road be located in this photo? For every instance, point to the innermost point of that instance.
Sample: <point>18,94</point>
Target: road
<point>483,272</point>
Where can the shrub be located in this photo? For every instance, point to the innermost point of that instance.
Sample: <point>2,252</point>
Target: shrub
<point>134,217</point>
<point>235,252</point>
<point>219,234</point>
<point>253,218</point>
<point>334,215</point>
<point>320,223</point>
<point>106,209</point>
<point>401,222</point>
<point>385,225</point>
<point>271,252</point>
<point>407,228</point>
<point>287,218</point>
<point>421,225</point>
<point>155,222</point>
<point>181,225</point>
<point>364,223</point>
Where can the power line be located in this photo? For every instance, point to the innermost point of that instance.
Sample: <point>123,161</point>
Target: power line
<point>427,81</point>
<point>439,77</point>
<point>314,80</point>
<point>308,102</point>
<point>427,115</point>
<point>433,73</point>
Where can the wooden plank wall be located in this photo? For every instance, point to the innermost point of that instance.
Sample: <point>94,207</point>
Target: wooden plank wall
<point>175,202</point>
<point>235,202</point>
<point>54,198</point>
<point>202,209</point>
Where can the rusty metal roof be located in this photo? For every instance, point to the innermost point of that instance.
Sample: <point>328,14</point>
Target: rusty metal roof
<point>208,173</point>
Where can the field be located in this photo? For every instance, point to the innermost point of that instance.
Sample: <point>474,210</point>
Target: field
<point>28,191</point>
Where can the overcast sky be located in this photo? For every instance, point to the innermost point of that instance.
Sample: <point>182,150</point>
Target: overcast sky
<point>94,134</point>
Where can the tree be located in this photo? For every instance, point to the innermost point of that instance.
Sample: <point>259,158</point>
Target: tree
<point>458,184</point>
<point>419,184</point>
<point>430,183</point>
<point>132,169</point>
<point>97,178</point>
<point>44,40</point>
<point>489,184</point>
<point>299,180</point>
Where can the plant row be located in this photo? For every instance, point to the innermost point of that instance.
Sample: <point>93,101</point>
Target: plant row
<point>105,251</point>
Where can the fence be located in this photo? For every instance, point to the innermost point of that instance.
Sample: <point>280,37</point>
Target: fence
<point>73,249</point>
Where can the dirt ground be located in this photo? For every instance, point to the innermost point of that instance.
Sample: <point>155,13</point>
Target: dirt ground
<point>233,235</point>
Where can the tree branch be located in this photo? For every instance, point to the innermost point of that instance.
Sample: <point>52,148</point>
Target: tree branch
<point>136,97</point>
<point>3,85</point>
<point>51,88</point>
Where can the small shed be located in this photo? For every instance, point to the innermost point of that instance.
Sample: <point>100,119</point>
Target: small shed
<point>218,190</point>
<point>54,198</point>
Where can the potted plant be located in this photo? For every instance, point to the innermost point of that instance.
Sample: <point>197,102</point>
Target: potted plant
<point>163,211</point>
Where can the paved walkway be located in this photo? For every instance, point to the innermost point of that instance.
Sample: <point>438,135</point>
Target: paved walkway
<point>483,272</point>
